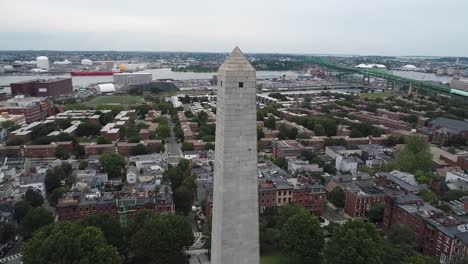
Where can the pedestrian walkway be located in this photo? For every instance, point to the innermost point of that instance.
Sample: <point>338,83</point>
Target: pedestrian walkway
<point>10,258</point>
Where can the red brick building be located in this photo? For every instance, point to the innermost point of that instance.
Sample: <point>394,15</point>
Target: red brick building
<point>358,200</point>
<point>39,151</point>
<point>437,235</point>
<point>123,148</point>
<point>43,88</point>
<point>288,148</point>
<point>33,109</point>
<point>95,149</point>
<point>266,195</point>
<point>76,206</point>
<point>311,197</point>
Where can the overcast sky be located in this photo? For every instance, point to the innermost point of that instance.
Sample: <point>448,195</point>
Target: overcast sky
<point>368,27</point>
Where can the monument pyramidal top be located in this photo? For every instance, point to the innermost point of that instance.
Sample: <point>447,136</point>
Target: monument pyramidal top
<point>236,62</point>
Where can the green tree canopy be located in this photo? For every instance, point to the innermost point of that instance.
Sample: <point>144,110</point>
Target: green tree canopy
<point>88,128</point>
<point>34,197</point>
<point>109,226</point>
<point>337,197</point>
<point>160,239</point>
<point>139,149</point>
<point>100,140</point>
<point>69,242</point>
<point>21,209</point>
<point>415,156</point>
<point>376,212</point>
<point>354,242</point>
<point>61,153</point>
<point>33,220</point>
<point>113,164</point>
<point>302,238</point>
<point>7,232</point>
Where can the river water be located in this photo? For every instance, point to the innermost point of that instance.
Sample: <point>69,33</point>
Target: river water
<point>166,73</point>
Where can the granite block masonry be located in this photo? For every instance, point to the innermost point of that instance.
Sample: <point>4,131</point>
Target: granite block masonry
<point>235,238</point>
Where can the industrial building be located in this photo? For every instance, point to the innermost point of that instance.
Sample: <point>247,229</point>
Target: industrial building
<point>126,79</point>
<point>43,88</point>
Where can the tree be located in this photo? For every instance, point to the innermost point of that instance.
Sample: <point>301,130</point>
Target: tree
<point>283,132</point>
<point>183,199</point>
<point>21,209</point>
<point>401,234</point>
<point>139,149</point>
<point>33,220</point>
<point>420,259</point>
<point>270,122</point>
<point>106,118</point>
<point>7,232</point>
<point>15,142</point>
<point>186,146</point>
<point>209,146</point>
<point>88,128</point>
<point>427,195</point>
<point>61,153</point>
<point>55,195</point>
<point>163,131</point>
<point>292,133</point>
<point>287,212</point>
<point>337,197</point>
<point>83,165</point>
<point>109,226</point>
<point>113,164</point>
<point>319,130</point>
<point>101,140</point>
<point>452,150</point>
<point>302,238</point>
<point>354,242</point>
<point>421,177</point>
<point>416,155</point>
<point>452,195</point>
<point>69,242</point>
<point>376,212</point>
<point>160,239</point>
<point>53,179</point>
<point>355,133</point>
<point>34,197</point>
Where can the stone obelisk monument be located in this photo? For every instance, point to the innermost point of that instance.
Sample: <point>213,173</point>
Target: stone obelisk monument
<point>235,199</point>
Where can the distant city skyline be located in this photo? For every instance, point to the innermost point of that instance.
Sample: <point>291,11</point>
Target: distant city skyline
<point>353,27</point>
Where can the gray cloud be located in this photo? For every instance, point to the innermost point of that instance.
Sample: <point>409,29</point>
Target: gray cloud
<point>380,27</point>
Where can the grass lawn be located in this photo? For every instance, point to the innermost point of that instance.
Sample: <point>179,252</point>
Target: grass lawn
<point>375,95</point>
<point>116,99</point>
<point>273,258</point>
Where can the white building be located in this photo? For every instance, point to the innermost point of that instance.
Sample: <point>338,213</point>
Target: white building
<point>105,88</point>
<point>457,180</point>
<point>297,165</point>
<point>132,174</point>
<point>136,78</point>
<point>42,62</point>
<point>350,164</point>
<point>86,62</point>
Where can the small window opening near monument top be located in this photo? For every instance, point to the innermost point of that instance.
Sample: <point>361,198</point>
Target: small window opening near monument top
<point>241,84</point>
<point>221,83</point>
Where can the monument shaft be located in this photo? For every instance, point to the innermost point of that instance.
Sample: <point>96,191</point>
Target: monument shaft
<point>235,199</point>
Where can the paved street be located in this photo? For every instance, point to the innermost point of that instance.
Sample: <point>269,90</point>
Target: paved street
<point>332,214</point>
<point>172,147</point>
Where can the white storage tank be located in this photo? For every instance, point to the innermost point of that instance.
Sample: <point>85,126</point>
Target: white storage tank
<point>42,62</point>
<point>87,62</point>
